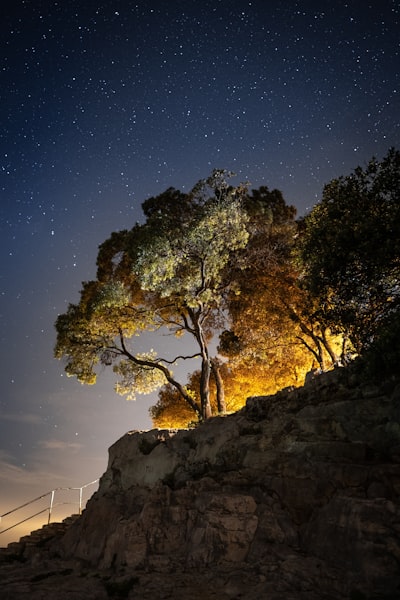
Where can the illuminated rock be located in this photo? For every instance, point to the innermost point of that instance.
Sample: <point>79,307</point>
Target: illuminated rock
<point>296,496</point>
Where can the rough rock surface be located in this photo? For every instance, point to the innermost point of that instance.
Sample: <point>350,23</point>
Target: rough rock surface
<point>294,497</point>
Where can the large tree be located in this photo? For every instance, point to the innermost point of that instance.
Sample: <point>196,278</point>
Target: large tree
<point>350,250</point>
<point>274,338</point>
<point>171,273</point>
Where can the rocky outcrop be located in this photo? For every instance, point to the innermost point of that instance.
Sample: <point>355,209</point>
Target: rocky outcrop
<point>295,496</point>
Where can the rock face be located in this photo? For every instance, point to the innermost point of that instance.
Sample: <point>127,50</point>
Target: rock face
<point>296,496</point>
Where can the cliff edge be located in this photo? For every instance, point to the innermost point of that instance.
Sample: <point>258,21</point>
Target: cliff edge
<point>296,496</point>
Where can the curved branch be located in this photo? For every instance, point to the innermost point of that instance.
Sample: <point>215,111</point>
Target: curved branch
<point>164,370</point>
<point>171,362</point>
<point>310,349</point>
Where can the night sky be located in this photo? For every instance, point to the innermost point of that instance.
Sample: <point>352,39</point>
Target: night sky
<point>104,104</point>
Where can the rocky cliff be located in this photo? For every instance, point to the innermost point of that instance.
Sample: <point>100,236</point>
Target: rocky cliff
<point>296,496</point>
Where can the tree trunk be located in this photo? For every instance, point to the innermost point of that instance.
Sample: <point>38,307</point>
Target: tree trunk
<point>219,384</point>
<point>333,356</point>
<point>205,388</point>
<point>197,318</point>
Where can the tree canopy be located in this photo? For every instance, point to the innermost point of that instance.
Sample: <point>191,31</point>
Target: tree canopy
<point>350,250</point>
<point>171,273</point>
<point>263,297</point>
<point>272,319</point>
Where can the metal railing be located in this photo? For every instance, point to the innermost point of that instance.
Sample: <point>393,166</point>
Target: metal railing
<point>50,507</point>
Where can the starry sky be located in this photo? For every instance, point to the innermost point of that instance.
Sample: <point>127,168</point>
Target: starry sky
<point>106,103</point>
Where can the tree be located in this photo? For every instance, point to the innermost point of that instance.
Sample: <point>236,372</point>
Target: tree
<point>170,273</point>
<point>350,250</point>
<point>273,338</point>
<point>170,411</point>
<point>285,334</point>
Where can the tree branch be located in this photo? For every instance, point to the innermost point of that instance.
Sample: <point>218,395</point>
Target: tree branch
<point>166,372</point>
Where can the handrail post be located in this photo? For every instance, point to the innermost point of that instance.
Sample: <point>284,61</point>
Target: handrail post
<point>51,505</point>
<point>49,508</point>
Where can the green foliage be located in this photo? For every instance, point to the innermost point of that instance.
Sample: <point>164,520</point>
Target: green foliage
<point>381,359</point>
<point>135,377</point>
<point>169,274</point>
<point>190,266</point>
<point>350,250</point>
<point>286,295</point>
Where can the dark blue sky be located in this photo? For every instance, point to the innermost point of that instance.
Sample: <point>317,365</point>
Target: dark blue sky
<point>104,104</point>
